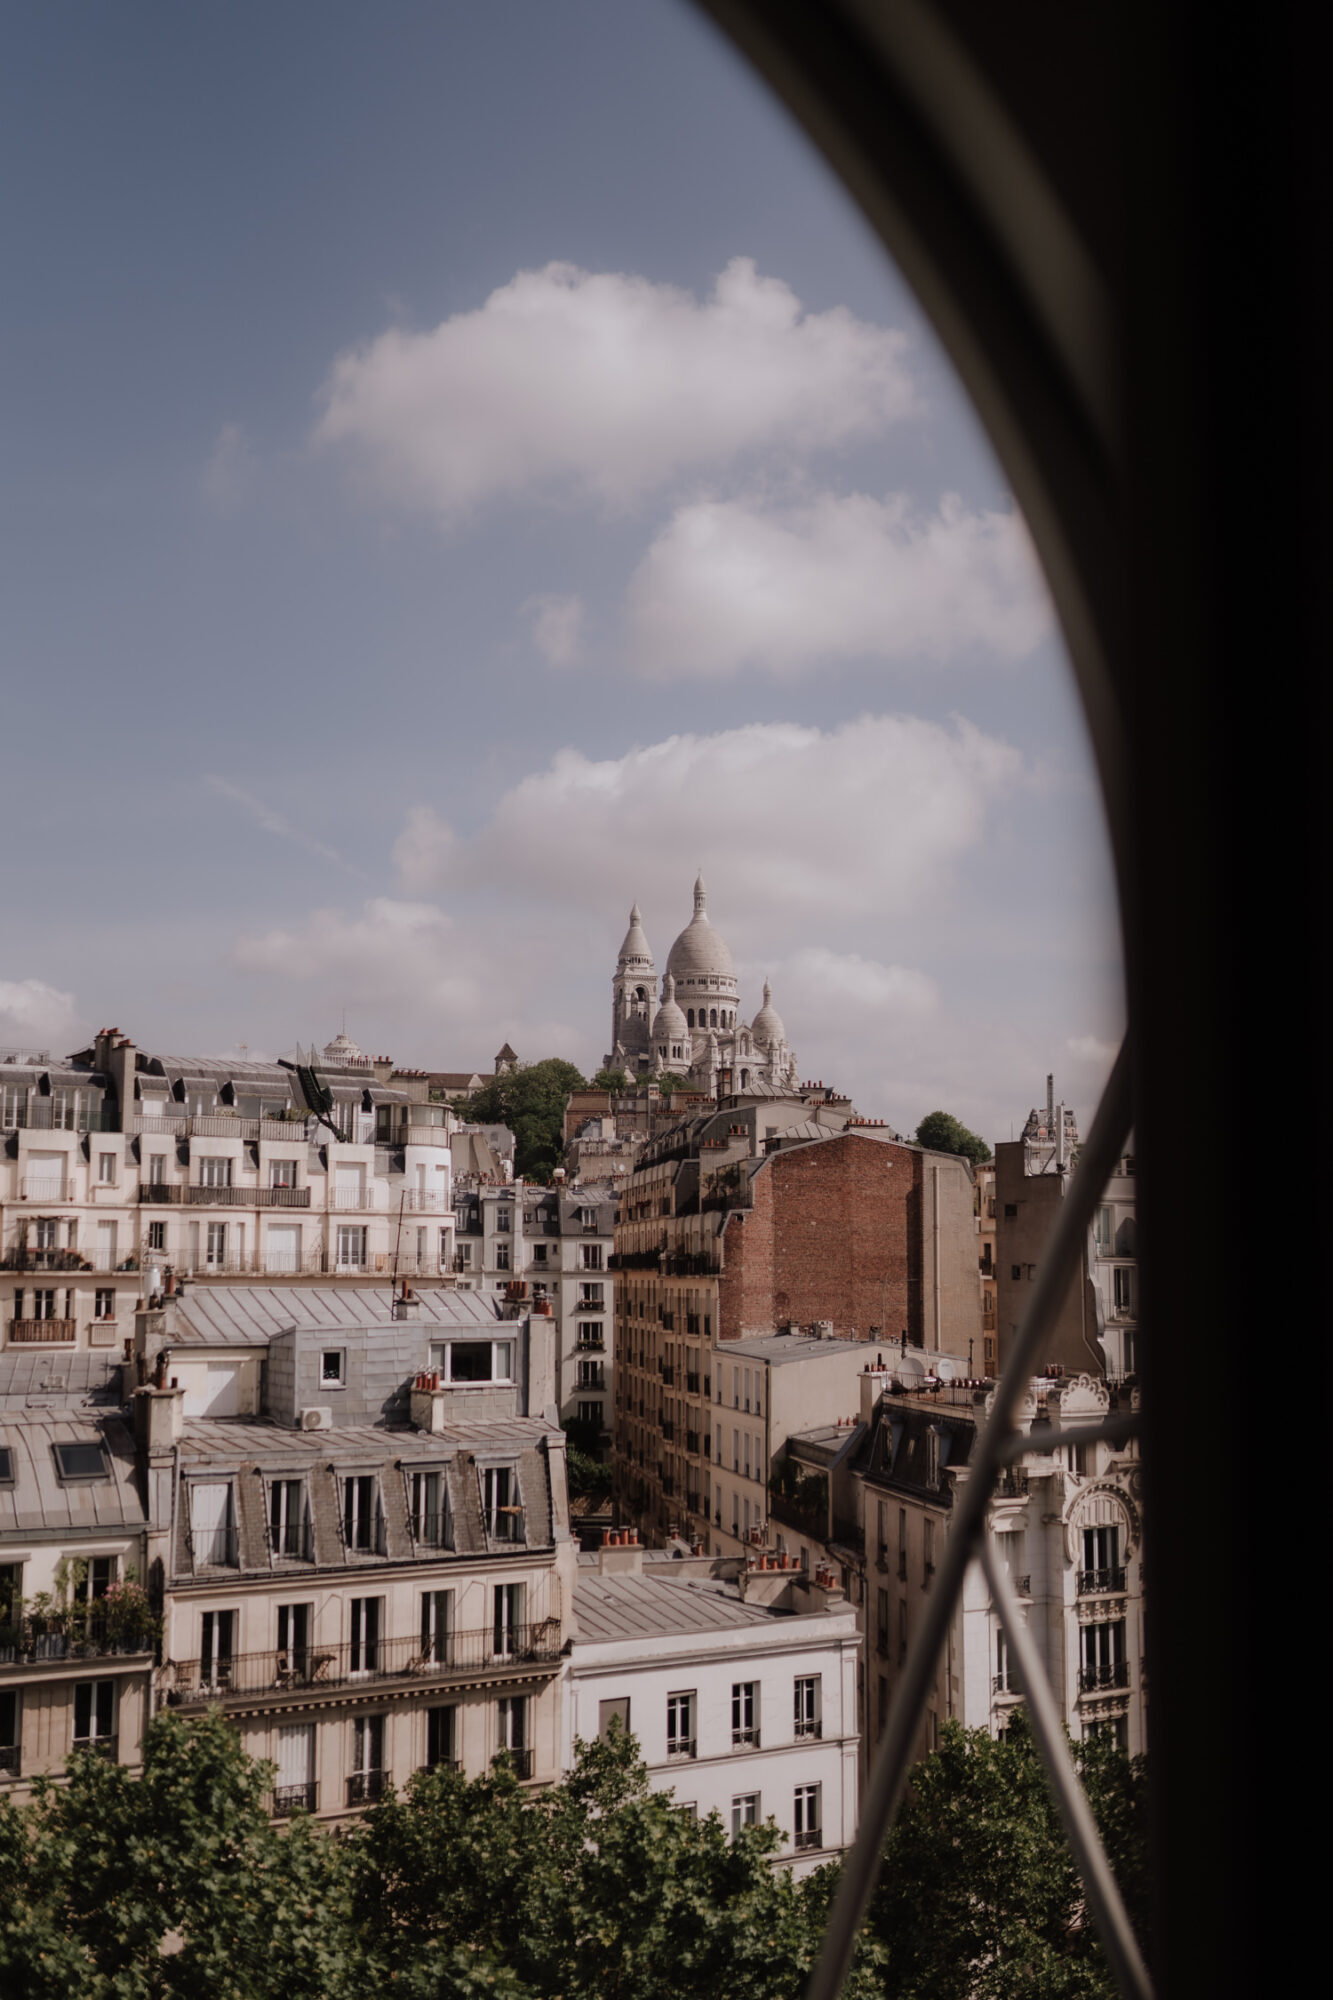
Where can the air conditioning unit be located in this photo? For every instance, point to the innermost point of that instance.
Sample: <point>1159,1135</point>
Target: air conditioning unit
<point>319,1418</point>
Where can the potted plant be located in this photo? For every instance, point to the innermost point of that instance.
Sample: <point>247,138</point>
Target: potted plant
<point>130,1626</point>
<point>50,1638</point>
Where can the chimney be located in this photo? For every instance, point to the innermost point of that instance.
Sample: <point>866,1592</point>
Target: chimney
<point>158,1415</point>
<point>1059,1138</point>
<point>874,1381</point>
<point>1050,1103</point>
<point>621,1553</point>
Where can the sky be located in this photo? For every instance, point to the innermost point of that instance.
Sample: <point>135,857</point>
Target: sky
<point>465,469</point>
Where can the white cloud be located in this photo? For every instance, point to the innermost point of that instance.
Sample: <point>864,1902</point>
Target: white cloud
<point>606,385</point>
<point>1090,1049</point>
<point>841,826</point>
<point>31,1012</point>
<point>424,852</point>
<point>230,469</point>
<point>816,979</point>
<point>557,626</point>
<point>732,584</point>
<point>270,821</point>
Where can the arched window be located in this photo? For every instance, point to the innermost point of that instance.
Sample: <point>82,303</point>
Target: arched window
<point>689,1015</point>
<point>713,1018</point>
<point>745,1079</point>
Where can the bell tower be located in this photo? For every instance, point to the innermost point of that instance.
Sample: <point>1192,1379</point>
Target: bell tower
<point>633,1000</point>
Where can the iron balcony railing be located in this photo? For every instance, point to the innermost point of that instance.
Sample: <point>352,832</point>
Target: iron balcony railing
<point>805,1730</point>
<point>11,1760</point>
<point>365,1788</point>
<point>191,1683</point>
<point>682,1747</point>
<point>295,1798</point>
<point>98,1746</point>
<point>1091,1580</point>
<point>34,1641</point>
<point>812,1837</point>
<point>747,1739</point>
<point>1109,1674</point>
<point>247,1197</point>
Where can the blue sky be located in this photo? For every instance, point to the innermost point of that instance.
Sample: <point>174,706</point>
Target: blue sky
<point>465,468</point>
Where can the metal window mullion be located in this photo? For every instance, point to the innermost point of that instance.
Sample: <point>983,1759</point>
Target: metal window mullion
<point>1099,1883</point>
<point>888,1778</point>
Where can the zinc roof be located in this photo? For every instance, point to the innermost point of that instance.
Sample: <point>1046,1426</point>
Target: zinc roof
<point>250,1315</point>
<point>68,1381</point>
<point>39,1501</point>
<point>650,1606</point>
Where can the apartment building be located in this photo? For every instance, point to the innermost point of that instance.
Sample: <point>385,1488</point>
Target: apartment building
<point>118,1165</point>
<point>766,1214</point>
<point>77,1634</point>
<point>1097,1326</point>
<point>738,1682</point>
<point>551,1249</point>
<point>1066,1524</point>
<point>986,1266</point>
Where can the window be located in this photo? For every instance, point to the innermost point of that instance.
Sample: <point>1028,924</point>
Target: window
<point>351,1246</point>
<point>592,1334</point>
<point>1103,1656</point>
<point>745,1713</point>
<point>213,1173</point>
<point>11,1740</point>
<point>902,1630</point>
<point>157,1236</point>
<point>507,1606</point>
<point>104,1303</point>
<point>500,1504</point>
<point>157,1169</point>
<point>106,1168</point>
<point>361,1514</point>
<point>216,1636</point>
<point>502,1256</point>
<point>437,1624</point>
<point>282,1173</point>
<point>504,1219</point>
<point>293,1641</point>
<point>882,1620</point>
<point>511,1732</point>
<point>294,1787</point>
<point>366,1783</point>
<point>95,1717</point>
<point>1124,1291</point>
<point>591,1413</point>
<point>806,1718</point>
<point>1102,1569</point>
<point>1003,1684</point>
<point>616,1710</point>
<point>806,1816</point>
<point>440,1738</point>
<point>927,1548</point>
<point>429,1504</point>
<point>744,1812</point>
<point>332,1368</point>
<point>213,1523</point>
<point>215,1251</point>
<point>735,1451</point>
<point>287,1535</point>
<point>474,1360</point>
<point>367,1624</point>
<point>1103,1230</point>
<point>94,1578</point>
<point>591,1259</point>
<point>680,1725</point>
<point>43,1304</point>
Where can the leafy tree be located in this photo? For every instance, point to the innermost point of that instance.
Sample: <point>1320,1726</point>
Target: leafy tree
<point>176,1882</point>
<point>614,1080</point>
<point>979,1898</point>
<point>943,1133</point>
<point>530,1100</point>
<point>669,1083</point>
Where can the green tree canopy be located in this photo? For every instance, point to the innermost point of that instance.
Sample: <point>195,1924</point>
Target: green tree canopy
<point>614,1080</point>
<point>530,1100</point>
<point>979,1898</point>
<point>942,1133</point>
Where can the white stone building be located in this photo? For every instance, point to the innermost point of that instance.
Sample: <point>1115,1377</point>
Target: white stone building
<point>697,1030</point>
<point>739,1685</point>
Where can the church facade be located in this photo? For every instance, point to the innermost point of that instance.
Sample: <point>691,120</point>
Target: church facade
<point>696,1030</point>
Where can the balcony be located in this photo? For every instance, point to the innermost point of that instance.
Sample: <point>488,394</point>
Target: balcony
<point>1005,1683</point>
<point>419,1201</point>
<point>11,1760</point>
<point>520,1762</point>
<point>594,1378</point>
<point>692,1443</point>
<point>586,1346</point>
<point>44,1332</point>
<point>668,1429</point>
<point>745,1739</point>
<point>42,1187</point>
<point>32,1642</point>
<point>1092,1580</point>
<point>667,1373</point>
<point>288,1799</point>
<point>243,1197</point>
<point>194,1683</point>
<point>1012,1484</point>
<point>24,1258</point>
<point>812,1837</point>
<point>1110,1674</point>
<point>351,1201</point>
<point>365,1788</point>
<point>681,1747</point>
<point>691,1385</point>
<point>98,1746</point>
<point>808,1731</point>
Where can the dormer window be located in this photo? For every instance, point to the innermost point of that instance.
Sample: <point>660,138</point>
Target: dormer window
<point>363,1516</point>
<point>500,1508</point>
<point>213,1523</point>
<point>428,1507</point>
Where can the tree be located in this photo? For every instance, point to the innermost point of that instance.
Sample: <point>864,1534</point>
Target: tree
<point>943,1133</point>
<point>615,1080</point>
<point>978,1897</point>
<point>531,1101</point>
<point>174,1882</point>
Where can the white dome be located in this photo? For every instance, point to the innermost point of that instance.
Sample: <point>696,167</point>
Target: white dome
<point>767,1024</point>
<point>699,954</point>
<point>670,1024</point>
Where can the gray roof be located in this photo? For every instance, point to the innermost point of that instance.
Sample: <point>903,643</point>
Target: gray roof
<point>653,1607</point>
<point>238,1438</point>
<point>69,1381</point>
<point>39,1501</point>
<point>250,1315</point>
<point>776,1348</point>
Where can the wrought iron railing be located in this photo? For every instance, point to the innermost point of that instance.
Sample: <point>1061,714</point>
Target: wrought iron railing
<point>365,1788</point>
<point>283,1670</point>
<point>295,1798</point>
<point>1106,1674</point>
<point>1091,1580</point>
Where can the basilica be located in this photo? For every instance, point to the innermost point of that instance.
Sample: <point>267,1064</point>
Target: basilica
<point>696,1031</point>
